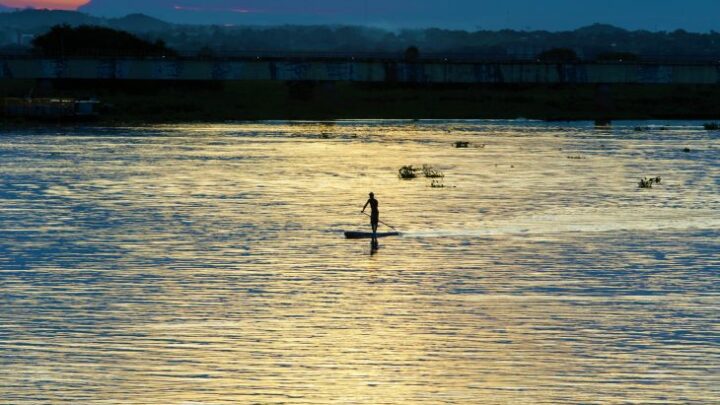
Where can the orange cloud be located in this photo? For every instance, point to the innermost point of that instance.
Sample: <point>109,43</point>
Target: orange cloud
<point>51,4</point>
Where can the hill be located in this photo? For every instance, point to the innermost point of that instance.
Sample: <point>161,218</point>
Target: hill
<point>139,23</point>
<point>40,21</point>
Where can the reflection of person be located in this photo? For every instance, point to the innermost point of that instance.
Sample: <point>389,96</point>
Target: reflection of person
<point>374,214</point>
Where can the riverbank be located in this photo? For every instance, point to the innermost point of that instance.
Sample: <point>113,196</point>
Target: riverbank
<point>130,102</point>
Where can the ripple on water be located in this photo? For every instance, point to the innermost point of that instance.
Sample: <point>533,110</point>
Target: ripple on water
<point>206,264</point>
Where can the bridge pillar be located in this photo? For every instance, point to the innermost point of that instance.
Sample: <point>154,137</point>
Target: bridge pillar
<point>604,105</point>
<point>301,90</point>
<point>43,87</point>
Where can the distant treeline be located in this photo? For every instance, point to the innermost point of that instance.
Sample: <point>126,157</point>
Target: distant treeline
<point>67,41</point>
<point>588,43</point>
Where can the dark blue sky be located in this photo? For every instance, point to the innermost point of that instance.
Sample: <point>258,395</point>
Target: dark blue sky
<point>693,15</point>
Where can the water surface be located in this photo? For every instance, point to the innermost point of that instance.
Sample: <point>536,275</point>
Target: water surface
<point>206,264</point>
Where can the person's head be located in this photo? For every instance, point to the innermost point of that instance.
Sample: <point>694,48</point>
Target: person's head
<point>372,195</point>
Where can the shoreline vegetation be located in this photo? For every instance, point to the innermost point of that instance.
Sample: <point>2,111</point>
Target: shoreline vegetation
<point>173,102</point>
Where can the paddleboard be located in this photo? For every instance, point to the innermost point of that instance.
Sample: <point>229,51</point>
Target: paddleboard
<point>368,235</point>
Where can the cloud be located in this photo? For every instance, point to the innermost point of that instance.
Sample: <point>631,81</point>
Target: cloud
<point>50,4</point>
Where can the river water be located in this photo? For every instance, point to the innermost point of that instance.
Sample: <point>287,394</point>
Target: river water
<point>205,264</point>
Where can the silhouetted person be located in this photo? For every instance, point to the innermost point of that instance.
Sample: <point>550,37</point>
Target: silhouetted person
<point>374,247</point>
<point>374,215</point>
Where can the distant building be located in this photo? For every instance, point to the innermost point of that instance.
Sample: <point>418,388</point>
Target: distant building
<point>521,52</point>
<point>25,39</point>
<point>524,52</point>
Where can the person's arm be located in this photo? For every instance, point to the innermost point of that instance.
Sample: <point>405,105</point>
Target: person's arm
<point>366,204</point>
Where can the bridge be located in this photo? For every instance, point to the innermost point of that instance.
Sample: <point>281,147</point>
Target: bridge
<point>349,70</point>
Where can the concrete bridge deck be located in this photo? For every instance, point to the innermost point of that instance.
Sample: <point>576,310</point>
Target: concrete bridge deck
<point>360,71</point>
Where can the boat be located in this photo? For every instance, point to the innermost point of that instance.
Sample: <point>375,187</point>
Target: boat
<point>369,235</point>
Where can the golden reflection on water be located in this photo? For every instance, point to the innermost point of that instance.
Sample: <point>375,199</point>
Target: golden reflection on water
<point>206,264</point>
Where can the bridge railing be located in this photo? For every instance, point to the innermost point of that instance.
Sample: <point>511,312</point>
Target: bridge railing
<point>426,57</point>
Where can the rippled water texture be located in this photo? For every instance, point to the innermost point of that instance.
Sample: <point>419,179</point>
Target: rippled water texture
<point>207,265</point>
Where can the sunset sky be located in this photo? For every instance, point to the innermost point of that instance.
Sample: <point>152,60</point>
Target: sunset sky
<point>693,15</point>
<point>54,4</point>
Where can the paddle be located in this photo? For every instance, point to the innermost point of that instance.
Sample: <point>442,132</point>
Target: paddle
<point>389,226</point>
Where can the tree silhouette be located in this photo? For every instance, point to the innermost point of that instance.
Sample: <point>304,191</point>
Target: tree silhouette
<point>86,40</point>
<point>558,55</point>
<point>412,54</point>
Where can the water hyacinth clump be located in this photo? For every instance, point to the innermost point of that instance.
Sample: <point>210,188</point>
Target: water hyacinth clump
<point>410,172</point>
<point>648,183</point>
<point>645,183</point>
<point>407,172</point>
<point>432,173</point>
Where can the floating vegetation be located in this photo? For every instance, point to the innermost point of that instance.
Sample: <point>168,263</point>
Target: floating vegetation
<point>648,183</point>
<point>410,172</point>
<point>577,157</point>
<point>712,126</point>
<point>407,172</point>
<point>462,144</point>
<point>432,173</point>
<point>645,183</point>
